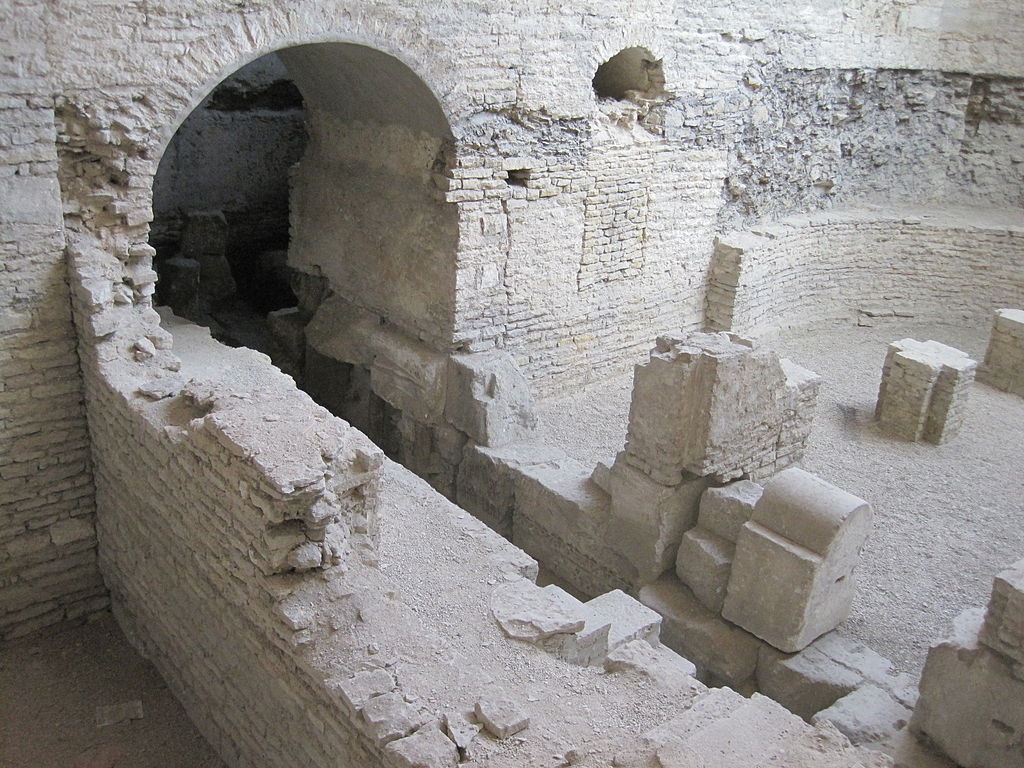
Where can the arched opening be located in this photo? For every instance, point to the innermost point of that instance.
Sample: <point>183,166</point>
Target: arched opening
<point>297,212</point>
<point>308,171</point>
<point>633,74</point>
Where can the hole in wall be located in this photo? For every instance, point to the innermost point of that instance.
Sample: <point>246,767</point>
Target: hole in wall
<point>633,74</point>
<point>519,177</point>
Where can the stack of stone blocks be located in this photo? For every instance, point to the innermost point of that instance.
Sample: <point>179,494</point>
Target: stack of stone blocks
<point>972,689</point>
<point>1004,359</point>
<point>706,408</point>
<point>923,394</point>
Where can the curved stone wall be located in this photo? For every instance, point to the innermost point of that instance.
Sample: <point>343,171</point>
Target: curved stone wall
<point>863,266</point>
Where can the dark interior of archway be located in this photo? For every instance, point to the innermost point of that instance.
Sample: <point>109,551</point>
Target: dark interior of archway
<point>220,203</point>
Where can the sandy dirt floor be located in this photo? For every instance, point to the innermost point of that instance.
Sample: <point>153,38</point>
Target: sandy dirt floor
<point>947,518</point>
<point>53,686</point>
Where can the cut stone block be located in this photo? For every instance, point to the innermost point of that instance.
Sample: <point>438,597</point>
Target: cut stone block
<point>612,619</point>
<point>971,706</point>
<point>691,630</point>
<point>489,398</point>
<point>792,574</point>
<point>501,715</point>
<point>868,715</point>
<point>668,669</point>
<point>923,394</point>
<point>1004,358</point>
<point>389,717</point>
<point>1003,630</point>
<point>648,519</point>
<point>724,510</point>
<point>426,748</point>
<point>708,405</point>
<point>703,564</point>
<point>409,375</point>
<point>361,687</point>
<point>804,683</point>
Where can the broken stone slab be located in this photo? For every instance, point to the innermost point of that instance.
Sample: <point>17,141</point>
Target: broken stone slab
<point>361,687</point>
<point>706,639</point>
<point>118,713</point>
<point>389,717</point>
<point>669,671</point>
<point>612,619</point>
<point>648,519</point>
<point>501,715</point>
<point>792,573</point>
<point>1003,629</point>
<point>428,747</point>
<point>461,730</point>
<point>971,705</point>
<point>489,398</point>
<point>531,613</point>
<point>703,564</point>
<point>867,715</point>
<point>724,510</point>
<point>804,683</point>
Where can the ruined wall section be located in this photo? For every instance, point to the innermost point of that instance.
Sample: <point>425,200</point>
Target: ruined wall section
<point>813,139</point>
<point>48,573</point>
<point>865,266</point>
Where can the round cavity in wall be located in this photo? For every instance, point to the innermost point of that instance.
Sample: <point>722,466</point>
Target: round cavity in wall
<point>631,74</point>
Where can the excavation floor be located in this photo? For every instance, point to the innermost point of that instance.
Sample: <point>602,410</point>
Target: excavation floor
<point>947,518</point>
<point>51,688</point>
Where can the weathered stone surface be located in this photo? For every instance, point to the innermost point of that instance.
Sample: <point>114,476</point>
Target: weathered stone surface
<point>804,683</point>
<point>531,613</point>
<point>703,564</point>
<point>1003,630</point>
<point>697,634</point>
<point>501,715</point>
<point>426,748</point>
<point>361,687</point>
<point>389,717</point>
<point>667,668</point>
<point>648,519</point>
<point>612,619</point>
<point>792,574</point>
<point>923,394</point>
<point>868,715</point>
<point>724,510</point>
<point>489,398</point>
<point>1004,358</point>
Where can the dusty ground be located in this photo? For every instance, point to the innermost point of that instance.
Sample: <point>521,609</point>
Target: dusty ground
<point>51,686</point>
<point>947,518</point>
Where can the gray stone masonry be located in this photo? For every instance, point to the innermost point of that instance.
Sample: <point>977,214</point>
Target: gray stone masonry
<point>792,573</point>
<point>1004,359</point>
<point>923,394</point>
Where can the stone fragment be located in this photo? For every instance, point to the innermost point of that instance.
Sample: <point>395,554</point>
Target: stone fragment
<point>691,630</point>
<point>868,715</point>
<point>971,705</point>
<point>389,717</point>
<point>665,667</point>
<point>1004,359</point>
<point>612,619</point>
<point>143,349</point>
<point>118,713</point>
<point>501,715</point>
<point>361,687</point>
<point>305,557</point>
<point>489,398</point>
<point>703,564</point>
<point>923,394</point>
<point>531,613</point>
<point>792,574</point>
<point>725,509</point>
<point>461,730</point>
<point>426,748</point>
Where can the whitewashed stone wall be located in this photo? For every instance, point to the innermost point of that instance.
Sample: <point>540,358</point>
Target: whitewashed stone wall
<point>48,573</point>
<point>864,266</point>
